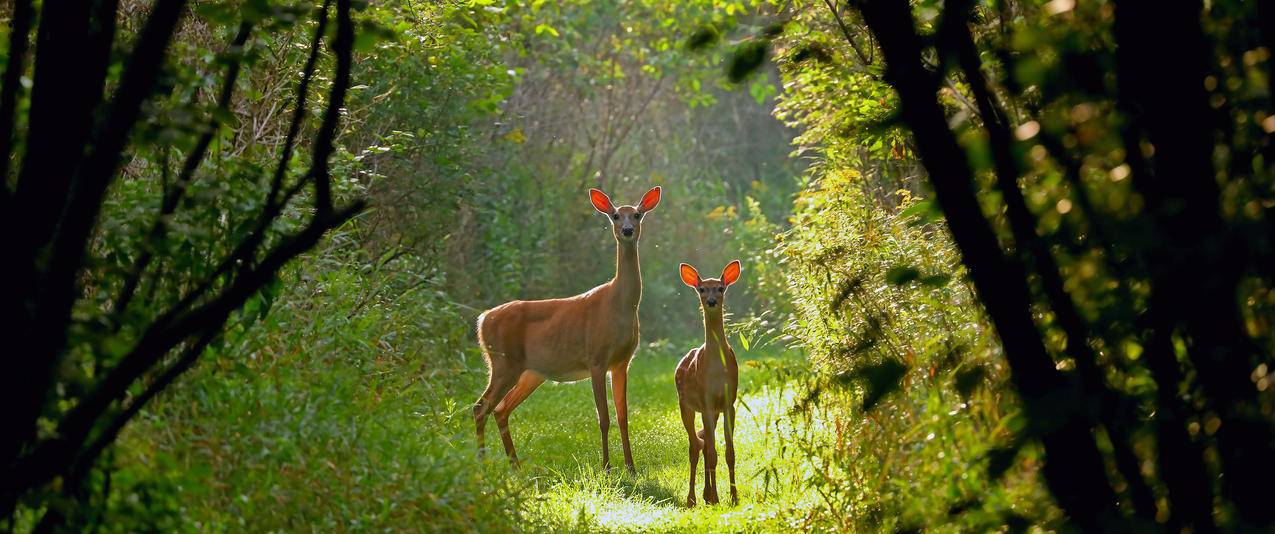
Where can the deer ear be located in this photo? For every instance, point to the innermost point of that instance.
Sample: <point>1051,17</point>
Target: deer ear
<point>650,200</point>
<point>690,276</point>
<point>601,202</point>
<point>731,273</point>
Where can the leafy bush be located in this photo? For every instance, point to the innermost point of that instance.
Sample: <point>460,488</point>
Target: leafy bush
<point>331,412</point>
<point>909,400</point>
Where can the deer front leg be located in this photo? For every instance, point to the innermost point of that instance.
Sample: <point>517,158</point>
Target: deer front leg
<point>619,384</point>
<point>730,452</point>
<point>710,456</point>
<point>695,445</point>
<point>598,376</point>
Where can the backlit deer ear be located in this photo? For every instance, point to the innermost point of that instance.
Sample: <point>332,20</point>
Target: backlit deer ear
<point>731,273</point>
<point>650,200</point>
<point>690,276</point>
<point>601,201</point>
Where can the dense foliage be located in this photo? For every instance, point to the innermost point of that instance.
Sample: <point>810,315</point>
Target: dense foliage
<point>990,279</point>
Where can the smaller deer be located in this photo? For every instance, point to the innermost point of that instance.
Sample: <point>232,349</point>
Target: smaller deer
<point>707,381</point>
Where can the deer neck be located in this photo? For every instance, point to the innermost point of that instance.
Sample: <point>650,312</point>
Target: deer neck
<point>628,275</point>
<point>715,335</point>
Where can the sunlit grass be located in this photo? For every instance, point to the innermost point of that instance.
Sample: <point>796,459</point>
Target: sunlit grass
<point>353,439</point>
<point>557,438</point>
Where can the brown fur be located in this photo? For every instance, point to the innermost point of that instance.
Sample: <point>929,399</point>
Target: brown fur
<point>707,382</point>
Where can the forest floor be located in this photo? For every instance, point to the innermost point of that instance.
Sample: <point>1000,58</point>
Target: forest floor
<point>556,434</point>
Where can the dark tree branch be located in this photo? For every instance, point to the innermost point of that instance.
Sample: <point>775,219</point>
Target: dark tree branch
<point>247,249</point>
<point>343,47</point>
<point>174,193</point>
<point>1197,266</point>
<point>56,454</point>
<point>88,429</point>
<point>170,329</point>
<point>298,111</point>
<point>1073,469</point>
<point>73,46</point>
<point>84,461</point>
<point>110,139</point>
<point>955,32</point>
<point>19,33</point>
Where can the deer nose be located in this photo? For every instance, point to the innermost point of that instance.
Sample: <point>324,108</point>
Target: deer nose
<point>627,232</point>
<point>712,302</point>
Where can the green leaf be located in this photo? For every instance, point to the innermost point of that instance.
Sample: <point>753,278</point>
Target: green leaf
<point>924,209</point>
<point>545,28</point>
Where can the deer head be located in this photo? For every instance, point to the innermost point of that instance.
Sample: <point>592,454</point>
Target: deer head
<point>712,292</point>
<point>626,221</point>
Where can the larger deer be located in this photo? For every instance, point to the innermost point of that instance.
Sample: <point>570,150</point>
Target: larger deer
<point>569,339</point>
<point>707,382</point>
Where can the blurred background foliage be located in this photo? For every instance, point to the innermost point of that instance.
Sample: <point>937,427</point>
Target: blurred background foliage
<point>337,398</point>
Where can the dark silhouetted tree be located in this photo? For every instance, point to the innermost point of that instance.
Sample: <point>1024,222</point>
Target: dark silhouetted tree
<point>92,90</point>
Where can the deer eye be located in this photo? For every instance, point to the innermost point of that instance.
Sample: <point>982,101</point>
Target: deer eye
<point>615,216</point>
<point>637,216</point>
<point>721,290</point>
<point>701,290</point>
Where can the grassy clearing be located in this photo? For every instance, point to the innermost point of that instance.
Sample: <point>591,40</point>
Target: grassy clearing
<point>556,433</point>
<point>349,409</point>
<point>362,422</point>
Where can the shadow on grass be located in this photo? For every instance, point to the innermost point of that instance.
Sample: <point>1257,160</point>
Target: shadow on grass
<point>652,489</point>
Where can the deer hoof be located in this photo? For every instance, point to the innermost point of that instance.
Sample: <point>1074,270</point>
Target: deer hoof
<point>631,469</point>
<point>710,498</point>
<point>690,502</point>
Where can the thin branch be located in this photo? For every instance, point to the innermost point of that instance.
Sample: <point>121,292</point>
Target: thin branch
<point>54,455</point>
<point>343,46</point>
<point>298,111</point>
<point>173,195</point>
<point>85,460</point>
<point>274,204</point>
<point>845,30</point>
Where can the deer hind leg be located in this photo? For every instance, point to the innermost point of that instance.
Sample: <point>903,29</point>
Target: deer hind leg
<point>499,383</point>
<point>598,376</point>
<point>696,444</point>
<point>710,457</point>
<point>527,384</point>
